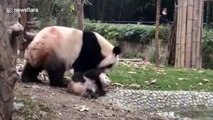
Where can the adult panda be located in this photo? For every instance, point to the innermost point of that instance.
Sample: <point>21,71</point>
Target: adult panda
<point>91,84</point>
<point>57,49</point>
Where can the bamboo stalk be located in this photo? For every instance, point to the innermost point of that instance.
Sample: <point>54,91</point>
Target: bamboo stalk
<point>194,32</point>
<point>177,35</point>
<point>177,51</point>
<point>189,33</point>
<point>199,35</point>
<point>183,34</point>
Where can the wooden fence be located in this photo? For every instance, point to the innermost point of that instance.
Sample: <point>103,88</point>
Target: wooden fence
<point>189,33</point>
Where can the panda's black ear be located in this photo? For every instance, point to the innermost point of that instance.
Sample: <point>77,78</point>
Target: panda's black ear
<point>117,50</point>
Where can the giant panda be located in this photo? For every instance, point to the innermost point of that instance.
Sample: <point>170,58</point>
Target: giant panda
<point>57,49</point>
<point>91,84</point>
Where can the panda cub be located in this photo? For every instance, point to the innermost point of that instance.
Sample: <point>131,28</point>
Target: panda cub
<point>90,84</point>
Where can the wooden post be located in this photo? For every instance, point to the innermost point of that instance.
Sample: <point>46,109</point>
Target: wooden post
<point>183,34</point>
<point>194,32</point>
<point>199,35</point>
<point>157,44</point>
<point>189,34</point>
<point>177,55</point>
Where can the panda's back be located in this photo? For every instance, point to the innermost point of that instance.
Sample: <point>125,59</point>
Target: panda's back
<point>64,41</point>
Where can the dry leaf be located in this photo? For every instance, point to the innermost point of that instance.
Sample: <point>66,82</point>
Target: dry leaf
<point>200,83</point>
<point>131,72</point>
<point>205,80</point>
<point>200,71</point>
<point>118,84</point>
<point>135,85</point>
<point>153,81</point>
<point>182,78</point>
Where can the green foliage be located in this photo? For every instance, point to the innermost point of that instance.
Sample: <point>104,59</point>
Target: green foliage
<point>207,49</point>
<point>143,34</point>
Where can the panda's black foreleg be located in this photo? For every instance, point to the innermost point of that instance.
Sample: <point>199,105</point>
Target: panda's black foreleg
<point>30,73</point>
<point>56,77</point>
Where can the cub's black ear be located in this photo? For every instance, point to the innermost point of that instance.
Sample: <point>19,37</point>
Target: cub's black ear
<point>117,50</point>
<point>78,77</point>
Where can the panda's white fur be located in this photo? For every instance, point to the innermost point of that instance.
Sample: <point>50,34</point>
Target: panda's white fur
<point>58,48</point>
<point>55,37</point>
<point>80,88</point>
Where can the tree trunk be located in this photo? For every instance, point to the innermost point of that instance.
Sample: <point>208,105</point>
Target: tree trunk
<point>8,74</point>
<point>172,39</point>
<point>80,13</point>
<point>23,19</point>
<point>157,43</point>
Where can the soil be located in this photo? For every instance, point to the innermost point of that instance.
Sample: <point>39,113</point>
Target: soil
<point>51,103</point>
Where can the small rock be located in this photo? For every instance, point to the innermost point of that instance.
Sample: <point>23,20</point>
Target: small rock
<point>81,108</point>
<point>18,106</point>
<point>35,87</point>
<point>42,113</point>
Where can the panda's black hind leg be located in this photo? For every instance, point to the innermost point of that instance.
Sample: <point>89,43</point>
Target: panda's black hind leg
<point>30,73</point>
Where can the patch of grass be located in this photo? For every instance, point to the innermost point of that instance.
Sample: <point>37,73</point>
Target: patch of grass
<point>167,78</point>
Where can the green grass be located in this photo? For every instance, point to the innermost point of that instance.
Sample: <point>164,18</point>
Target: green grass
<point>167,78</point>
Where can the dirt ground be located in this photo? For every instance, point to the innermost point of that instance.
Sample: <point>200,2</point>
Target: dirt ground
<point>42,102</point>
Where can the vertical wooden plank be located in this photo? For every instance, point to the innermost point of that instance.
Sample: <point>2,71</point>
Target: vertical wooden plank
<point>199,35</point>
<point>177,51</point>
<point>183,33</point>
<point>189,33</point>
<point>194,32</point>
<point>180,29</point>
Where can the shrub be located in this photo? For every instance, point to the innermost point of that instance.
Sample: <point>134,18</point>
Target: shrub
<point>128,32</point>
<point>207,49</point>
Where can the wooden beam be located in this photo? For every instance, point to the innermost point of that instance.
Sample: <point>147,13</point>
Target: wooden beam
<point>189,34</point>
